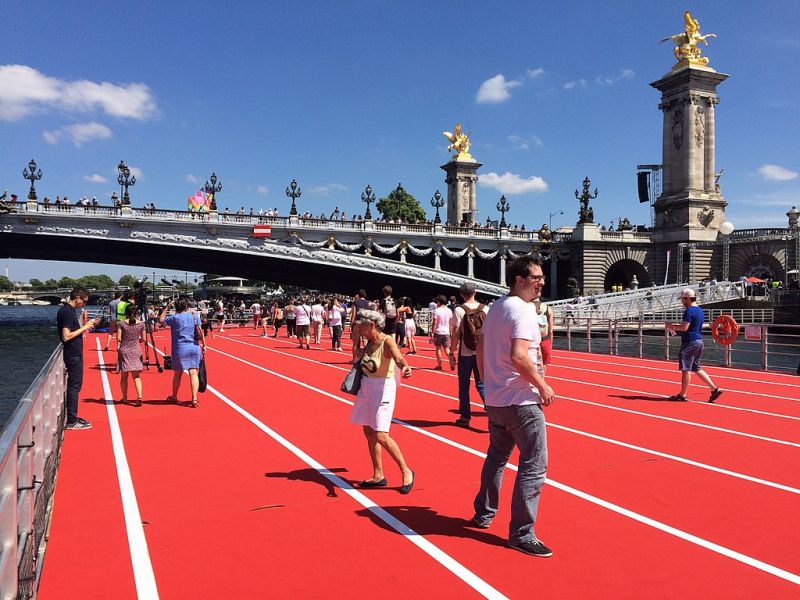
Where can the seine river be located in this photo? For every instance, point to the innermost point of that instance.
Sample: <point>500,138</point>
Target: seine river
<point>27,339</point>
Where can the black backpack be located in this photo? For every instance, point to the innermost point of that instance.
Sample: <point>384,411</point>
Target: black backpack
<point>472,326</point>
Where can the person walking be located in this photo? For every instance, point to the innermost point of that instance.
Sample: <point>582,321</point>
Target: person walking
<point>335,315</point>
<point>406,314</point>
<point>468,319</point>
<point>255,307</point>
<point>130,333</point>
<point>442,317</point>
<point>374,404</point>
<point>71,332</point>
<point>112,319</point>
<point>302,314</point>
<point>388,307</point>
<point>277,318</point>
<point>317,320</point>
<point>291,319</point>
<point>188,346</point>
<point>359,303</point>
<point>509,361</point>
<point>545,315</point>
<point>691,330</point>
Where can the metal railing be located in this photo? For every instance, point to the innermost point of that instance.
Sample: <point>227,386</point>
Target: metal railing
<point>759,345</point>
<point>30,448</point>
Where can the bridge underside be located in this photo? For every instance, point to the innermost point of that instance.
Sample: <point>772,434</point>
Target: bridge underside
<point>310,275</point>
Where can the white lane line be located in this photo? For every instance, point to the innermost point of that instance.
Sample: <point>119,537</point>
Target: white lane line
<point>589,402</point>
<point>710,405</point>
<point>650,451</point>
<point>719,549</point>
<point>444,559</point>
<point>143,575</point>
<point>716,368</point>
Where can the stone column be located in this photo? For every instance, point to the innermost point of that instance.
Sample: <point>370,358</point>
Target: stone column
<point>503,269</point>
<point>403,252</point>
<point>462,200</point>
<point>437,264</point>
<point>710,175</point>
<point>471,264</point>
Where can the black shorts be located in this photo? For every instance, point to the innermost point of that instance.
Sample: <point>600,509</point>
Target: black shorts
<point>389,325</point>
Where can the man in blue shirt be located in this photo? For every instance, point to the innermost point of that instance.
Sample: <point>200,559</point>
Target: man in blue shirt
<point>691,346</point>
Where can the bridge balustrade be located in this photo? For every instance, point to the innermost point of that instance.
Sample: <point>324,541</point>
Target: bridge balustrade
<point>30,448</point>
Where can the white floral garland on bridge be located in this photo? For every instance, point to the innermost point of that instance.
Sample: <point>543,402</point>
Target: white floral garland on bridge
<point>387,249</point>
<point>452,254</point>
<point>486,255</point>
<point>418,252</point>
<point>303,242</point>
<point>348,247</point>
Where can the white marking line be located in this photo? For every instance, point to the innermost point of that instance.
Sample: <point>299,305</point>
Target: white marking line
<point>143,575</point>
<point>703,543</point>
<point>710,405</point>
<point>448,562</point>
<point>716,368</point>
<point>650,451</point>
<point>589,402</point>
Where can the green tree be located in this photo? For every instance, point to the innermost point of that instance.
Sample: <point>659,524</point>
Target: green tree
<point>51,284</point>
<point>127,281</point>
<point>67,282</point>
<point>399,204</point>
<point>36,284</point>
<point>5,284</point>
<point>97,282</point>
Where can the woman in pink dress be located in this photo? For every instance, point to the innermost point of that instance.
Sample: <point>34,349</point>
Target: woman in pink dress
<point>130,333</point>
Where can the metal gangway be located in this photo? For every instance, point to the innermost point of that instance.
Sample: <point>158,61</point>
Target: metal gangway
<point>644,301</point>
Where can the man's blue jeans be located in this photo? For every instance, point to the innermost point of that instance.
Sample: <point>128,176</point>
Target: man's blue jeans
<point>524,427</point>
<point>468,366</point>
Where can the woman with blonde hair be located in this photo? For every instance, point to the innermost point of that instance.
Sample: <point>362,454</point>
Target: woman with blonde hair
<point>374,405</point>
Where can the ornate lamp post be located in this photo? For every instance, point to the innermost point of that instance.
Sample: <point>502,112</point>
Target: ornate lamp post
<point>550,223</point>
<point>125,180</point>
<point>438,202</point>
<point>726,229</point>
<point>212,190</point>
<point>33,175</point>
<point>294,193</point>
<point>368,196</point>
<point>586,214</point>
<point>503,206</point>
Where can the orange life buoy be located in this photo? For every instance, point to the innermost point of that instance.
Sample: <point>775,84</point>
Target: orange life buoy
<point>724,330</point>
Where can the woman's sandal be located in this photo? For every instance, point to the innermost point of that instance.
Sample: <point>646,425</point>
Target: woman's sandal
<point>138,402</point>
<point>172,399</point>
<point>194,403</point>
<point>678,398</point>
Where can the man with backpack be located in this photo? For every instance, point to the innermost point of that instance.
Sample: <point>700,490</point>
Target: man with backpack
<point>468,327</point>
<point>389,310</point>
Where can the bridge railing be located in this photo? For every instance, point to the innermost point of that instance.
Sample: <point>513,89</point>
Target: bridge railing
<point>30,447</point>
<point>760,344</point>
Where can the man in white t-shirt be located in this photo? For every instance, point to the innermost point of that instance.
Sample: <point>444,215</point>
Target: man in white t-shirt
<point>317,319</point>
<point>465,336</point>
<point>256,308</point>
<point>442,318</point>
<point>302,313</point>
<point>509,359</point>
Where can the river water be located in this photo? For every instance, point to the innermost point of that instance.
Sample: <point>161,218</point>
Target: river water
<point>27,339</point>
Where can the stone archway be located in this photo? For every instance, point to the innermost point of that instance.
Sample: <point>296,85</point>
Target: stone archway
<point>622,273</point>
<point>764,266</point>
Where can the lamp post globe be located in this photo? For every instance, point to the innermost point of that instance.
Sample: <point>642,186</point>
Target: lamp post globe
<point>293,192</point>
<point>438,202</point>
<point>368,197</point>
<point>31,174</point>
<point>503,206</point>
<point>212,189</point>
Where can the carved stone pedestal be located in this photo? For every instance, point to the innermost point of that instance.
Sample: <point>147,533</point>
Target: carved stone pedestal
<point>462,191</point>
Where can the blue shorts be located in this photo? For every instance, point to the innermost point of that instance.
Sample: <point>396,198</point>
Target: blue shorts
<point>689,355</point>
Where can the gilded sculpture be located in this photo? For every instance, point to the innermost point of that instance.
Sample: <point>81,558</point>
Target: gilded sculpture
<point>686,49</point>
<point>459,143</point>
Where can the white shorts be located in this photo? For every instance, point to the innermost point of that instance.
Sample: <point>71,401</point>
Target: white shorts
<point>374,405</point>
<point>411,328</point>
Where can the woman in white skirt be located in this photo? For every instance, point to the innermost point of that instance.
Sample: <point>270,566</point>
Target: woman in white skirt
<point>374,403</point>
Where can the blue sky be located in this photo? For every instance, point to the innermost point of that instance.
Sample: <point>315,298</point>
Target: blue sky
<point>343,94</point>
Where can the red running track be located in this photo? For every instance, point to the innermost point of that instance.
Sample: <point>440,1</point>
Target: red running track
<point>249,495</point>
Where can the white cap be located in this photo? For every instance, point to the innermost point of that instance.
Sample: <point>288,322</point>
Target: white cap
<point>688,293</point>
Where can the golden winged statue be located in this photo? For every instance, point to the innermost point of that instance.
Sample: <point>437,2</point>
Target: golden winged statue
<point>459,143</point>
<point>686,42</point>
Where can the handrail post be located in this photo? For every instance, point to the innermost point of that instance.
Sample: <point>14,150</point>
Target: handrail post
<point>764,348</point>
<point>666,344</point>
<point>589,334</point>
<point>569,332</point>
<point>640,337</point>
<point>610,336</point>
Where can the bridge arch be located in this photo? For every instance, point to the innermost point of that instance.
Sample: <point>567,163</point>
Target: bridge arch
<point>622,264</point>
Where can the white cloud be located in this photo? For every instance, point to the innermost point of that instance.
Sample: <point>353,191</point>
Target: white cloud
<point>27,91</point>
<point>575,83</point>
<point>95,178</point>
<point>511,183</point>
<point>776,173</point>
<point>495,90</point>
<point>525,143</point>
<point>611,80</point>
<point>262,190</point>
<point>136,172</point>
<point>535,73</point>
<point>78,134</point>
<point>192,179</point>
<point>327,189</point>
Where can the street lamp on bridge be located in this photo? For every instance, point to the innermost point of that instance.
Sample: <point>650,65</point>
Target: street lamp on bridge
<point>438,202</point>
<point>368,196</point>
<point>550,223</point>
<point>125,180</point>
<point>33,175</point>
<point>212,189</point>
<point>503,206</point>
<point>294,193</point>
<point>726,229</point>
